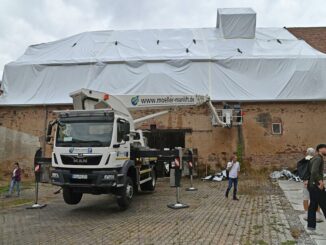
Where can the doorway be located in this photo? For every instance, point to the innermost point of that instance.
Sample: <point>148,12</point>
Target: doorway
<point>166,138</point>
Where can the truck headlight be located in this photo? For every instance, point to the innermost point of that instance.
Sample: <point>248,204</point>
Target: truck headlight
<point>55,175</point>
<point>109,177</point>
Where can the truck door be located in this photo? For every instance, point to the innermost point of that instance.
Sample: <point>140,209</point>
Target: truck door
<point>123,143</point>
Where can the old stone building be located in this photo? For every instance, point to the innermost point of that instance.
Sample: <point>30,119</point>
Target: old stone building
<point>273,133</point>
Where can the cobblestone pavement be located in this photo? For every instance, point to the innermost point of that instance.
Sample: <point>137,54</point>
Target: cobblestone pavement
<point>262,216</point>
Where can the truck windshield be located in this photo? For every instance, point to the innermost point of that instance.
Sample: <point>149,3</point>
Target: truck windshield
<point>84,134</point>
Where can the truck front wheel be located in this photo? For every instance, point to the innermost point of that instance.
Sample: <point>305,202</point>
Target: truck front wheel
<point>71,197</point>
<point>125,194</point>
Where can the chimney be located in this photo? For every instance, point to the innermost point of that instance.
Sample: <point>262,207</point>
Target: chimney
<point>236,23</point>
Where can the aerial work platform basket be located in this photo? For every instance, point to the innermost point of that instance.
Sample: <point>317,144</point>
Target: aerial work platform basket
<point>229,116</point>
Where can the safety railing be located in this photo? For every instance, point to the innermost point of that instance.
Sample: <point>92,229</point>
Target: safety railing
<point>232,117</point>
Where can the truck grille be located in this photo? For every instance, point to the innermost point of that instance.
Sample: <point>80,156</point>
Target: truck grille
<point>81,160</point>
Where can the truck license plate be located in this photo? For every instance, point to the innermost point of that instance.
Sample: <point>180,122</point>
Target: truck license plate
<point>79,176</point>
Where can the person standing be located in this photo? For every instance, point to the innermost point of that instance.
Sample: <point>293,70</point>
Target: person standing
<point>304,174</point>
<point>15,180</point>
<point>316,186</point>
<point>233,167</point>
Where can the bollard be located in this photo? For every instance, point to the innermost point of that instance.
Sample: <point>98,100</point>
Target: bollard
<point>36,205</point>
<point>191,188</point>
<point>37,171</point>
<point>177,177</point>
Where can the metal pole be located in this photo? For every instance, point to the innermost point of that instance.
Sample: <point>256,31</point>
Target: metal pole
<point>36,192</point>
<point>177,177</point>
<point>178,194</point>
<point>191,188</point>
<point>36,205</point>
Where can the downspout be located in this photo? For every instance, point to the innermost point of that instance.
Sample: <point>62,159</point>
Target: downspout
<point>45,129</point>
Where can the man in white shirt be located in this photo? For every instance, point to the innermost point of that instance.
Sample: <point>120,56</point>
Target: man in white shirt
<point>233,167</point>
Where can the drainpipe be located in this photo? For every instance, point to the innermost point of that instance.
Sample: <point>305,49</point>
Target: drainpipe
<point>45,129</point>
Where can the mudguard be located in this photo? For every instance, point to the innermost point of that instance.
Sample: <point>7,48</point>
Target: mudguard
<point>124,170</point>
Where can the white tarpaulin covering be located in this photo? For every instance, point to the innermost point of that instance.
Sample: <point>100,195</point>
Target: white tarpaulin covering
<point>236,22</point>
<point>273,66</point>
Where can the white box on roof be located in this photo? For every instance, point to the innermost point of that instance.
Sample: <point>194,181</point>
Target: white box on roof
<point>236,22</point>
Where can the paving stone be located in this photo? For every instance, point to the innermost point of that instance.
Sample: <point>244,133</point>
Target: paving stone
<point>260,217</point>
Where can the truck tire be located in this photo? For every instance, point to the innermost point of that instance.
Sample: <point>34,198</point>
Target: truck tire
<point>71,197</point>
<point>150,185</point>
<point>125,194</point>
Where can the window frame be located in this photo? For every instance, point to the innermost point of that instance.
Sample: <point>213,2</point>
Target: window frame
<point>123,128</point>
<point>280,128</point>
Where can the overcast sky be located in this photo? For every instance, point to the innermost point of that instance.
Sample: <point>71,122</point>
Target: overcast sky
<point>26,22</point>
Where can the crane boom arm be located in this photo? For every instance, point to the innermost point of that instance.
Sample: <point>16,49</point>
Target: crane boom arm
<point>86,99</point>
<point>89,99</point>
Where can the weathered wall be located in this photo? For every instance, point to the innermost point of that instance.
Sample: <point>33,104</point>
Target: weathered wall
<point>303,126</point>
<point>22,131</point>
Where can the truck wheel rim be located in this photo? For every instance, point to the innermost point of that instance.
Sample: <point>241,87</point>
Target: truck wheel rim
<point>129,191</point>
<point>153,181</point>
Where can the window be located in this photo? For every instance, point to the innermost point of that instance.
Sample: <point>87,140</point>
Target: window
<point>277,128</point>
<point>87,133</point>
<point>123,129</point>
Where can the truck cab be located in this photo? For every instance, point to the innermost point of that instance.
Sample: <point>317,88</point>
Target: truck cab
<point>91,154</point>
<point>93,139</point>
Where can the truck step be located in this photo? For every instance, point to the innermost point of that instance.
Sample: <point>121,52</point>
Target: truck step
<point>145,180</point>
<point>145,171</point>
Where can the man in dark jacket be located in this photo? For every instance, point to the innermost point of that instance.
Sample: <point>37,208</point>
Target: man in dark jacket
<point>316,186</point>
<point>15,180</point>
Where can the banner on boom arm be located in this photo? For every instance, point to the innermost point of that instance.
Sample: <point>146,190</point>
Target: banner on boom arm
<point>139,101</point>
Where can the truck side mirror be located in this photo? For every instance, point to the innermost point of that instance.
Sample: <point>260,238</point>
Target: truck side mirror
<point>48,133</point>
<point>126,138</point>
<point>48,139</point>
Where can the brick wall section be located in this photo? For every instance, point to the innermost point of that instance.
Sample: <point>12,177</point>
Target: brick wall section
<point>315,36</point>
<point>21,130</point>
<point>303,126</point>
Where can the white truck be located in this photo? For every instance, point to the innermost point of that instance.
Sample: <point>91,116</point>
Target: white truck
<point>97,150</point>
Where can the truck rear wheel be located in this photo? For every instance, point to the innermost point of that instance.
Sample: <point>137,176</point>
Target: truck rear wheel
<point>71,197</point>
<point>150,185</point>
<point>125,195</point>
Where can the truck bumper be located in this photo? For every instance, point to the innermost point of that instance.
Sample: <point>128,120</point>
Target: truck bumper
<point>91,181</point>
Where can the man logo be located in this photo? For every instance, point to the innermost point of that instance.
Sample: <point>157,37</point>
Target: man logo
<point>71,150</point>
<point>135,100</point>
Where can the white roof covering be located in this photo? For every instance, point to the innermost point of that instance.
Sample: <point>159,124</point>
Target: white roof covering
<point>273,66</point>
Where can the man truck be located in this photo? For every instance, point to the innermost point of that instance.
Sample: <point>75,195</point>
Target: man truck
<point>98,150</point>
